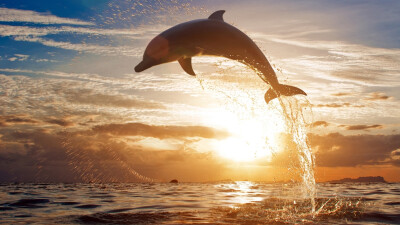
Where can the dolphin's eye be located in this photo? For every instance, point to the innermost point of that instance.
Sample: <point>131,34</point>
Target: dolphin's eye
<point>158,48</point>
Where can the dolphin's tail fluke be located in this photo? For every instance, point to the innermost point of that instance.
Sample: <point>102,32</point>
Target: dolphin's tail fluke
<point>282,89</point>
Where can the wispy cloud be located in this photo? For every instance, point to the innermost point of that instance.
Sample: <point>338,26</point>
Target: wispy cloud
<point>18,57</point>
<point>133,33</point>
<point>320,124</point>
<point>338,105</point>
<point>340,94</point>
<point>89,48</point>
<point>18,15</point>
<point>89,97</point>
<point>10,120</point>
<point>60,121</point>
<point>161,132</point>
<point>377,96</point>
<point>362,127</point>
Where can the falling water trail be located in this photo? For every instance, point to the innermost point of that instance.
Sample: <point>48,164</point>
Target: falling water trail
<point>297,125</point>
<point>296,122</point>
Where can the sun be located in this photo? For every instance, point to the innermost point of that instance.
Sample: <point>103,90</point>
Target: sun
<point>253,135</point>
<point>254,126</point>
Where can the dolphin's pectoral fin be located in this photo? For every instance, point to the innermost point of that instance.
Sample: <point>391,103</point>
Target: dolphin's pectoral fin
<point>186,64</point>
<point>217,15</point>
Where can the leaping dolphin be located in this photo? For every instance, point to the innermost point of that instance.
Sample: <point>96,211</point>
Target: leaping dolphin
<point>214,37</point>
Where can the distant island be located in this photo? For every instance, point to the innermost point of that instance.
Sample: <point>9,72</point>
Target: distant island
<point>377,179</point>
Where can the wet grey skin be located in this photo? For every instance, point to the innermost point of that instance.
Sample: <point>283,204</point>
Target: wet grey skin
<point>212,37</point>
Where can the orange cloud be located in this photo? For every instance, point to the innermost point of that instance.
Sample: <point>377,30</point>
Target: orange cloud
<point>337,150</point>
<point>362,127</point>
<point>377,96</point>
<point>161,132</point>
<point>320,124</point>
<point>8,120</point>
<point>100,99</point>
<point>340,94</point>
<point>338,105</point>
<point>62,122</point>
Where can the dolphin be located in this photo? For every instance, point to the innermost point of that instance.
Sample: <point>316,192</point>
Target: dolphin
<point>213,37</point>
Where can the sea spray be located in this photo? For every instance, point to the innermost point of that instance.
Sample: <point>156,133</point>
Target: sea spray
<point>88,168</point>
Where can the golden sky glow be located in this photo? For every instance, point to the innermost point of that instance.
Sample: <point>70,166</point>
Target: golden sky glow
<point>73,109</point>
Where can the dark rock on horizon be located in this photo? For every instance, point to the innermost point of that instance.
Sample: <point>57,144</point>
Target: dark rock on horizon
<point>377,179</point>
<point>174,181</point>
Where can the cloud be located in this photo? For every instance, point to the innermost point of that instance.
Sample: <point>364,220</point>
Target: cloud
<point>377,96</point>
<point>88,77</point>
<point>320,124</point>
<point>134,33</point>
<point>18,57</point>
<point>396,152</point>
<point>18,15</point>
<point>13,120</point>
<point>89,48</point>
<point>340,94</point>
<point>337,150</point>
<point>60,122</point>
<point>161,132</point>
<point>9,120</point>
<point>89,97</point>
<point>362,127</point>
<point>338,105</point>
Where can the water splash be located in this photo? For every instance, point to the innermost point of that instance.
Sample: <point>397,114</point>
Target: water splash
<point>289,211</point>
<point>244,96</point>
<point>296,119</point>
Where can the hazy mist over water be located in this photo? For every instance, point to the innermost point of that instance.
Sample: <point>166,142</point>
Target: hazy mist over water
<point>239,202</point>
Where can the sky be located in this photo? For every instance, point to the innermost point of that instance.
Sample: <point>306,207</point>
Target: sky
<point>74,110</point>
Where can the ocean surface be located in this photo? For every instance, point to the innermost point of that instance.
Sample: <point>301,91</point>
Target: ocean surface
<point>198,203</point>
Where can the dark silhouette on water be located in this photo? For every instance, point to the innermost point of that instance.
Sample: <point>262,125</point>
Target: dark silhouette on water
<point>174,181</point>
<point>214,37</point>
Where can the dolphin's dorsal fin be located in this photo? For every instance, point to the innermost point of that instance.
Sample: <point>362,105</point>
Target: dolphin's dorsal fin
<point>217,15</point>
<point>186,64</point>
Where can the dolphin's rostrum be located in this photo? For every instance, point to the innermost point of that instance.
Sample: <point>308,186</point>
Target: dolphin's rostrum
<point>214,37</point>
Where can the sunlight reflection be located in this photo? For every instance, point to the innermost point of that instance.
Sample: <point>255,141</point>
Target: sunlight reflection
<point>240,192</point>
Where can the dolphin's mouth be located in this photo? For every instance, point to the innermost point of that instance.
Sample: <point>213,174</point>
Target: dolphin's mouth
<point>143,65</point>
